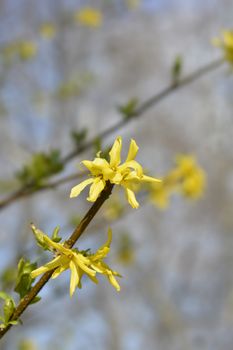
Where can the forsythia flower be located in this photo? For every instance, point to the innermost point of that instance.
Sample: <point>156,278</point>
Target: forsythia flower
<point>226,43</point>
<point>187,177</point>
<point>192,176</point>
<point>126,174</point>
<point>27,50</point>
<point>89,17</point>
<point>79,263</point>
<point>48,30</point>
<point>133,4</point>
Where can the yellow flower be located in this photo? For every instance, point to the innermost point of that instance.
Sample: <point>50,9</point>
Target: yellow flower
<point>133,4</point>
<point>27,50</point>
<point>187,177</point>
<point>192,177</point>
<point>159,194</point>
<point>48,30</point>
<point>126,174</point>
<point>78,262</point>
<point>226,43</point>
<point>88,17</point>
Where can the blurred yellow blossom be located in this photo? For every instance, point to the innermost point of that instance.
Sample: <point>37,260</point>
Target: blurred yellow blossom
<point>126,174</point>
<point>226,43</point>
<point>79,263</point>
<point>133,4</point>
<point>187,178</point>
<point>192,176</point>
<point>89,17</point>
<point>27,50</point>
<point>125,251</point>
<point>48,30</point>
<point>24,50</point>
<point>159,194</point>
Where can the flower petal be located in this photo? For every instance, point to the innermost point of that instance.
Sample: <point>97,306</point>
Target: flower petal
<point>114,282</point>
<point>59,270</point>
<point>49,266</point>
<point>115,153</point>
<point>76,190</point>
<point>57,246</point>
<point>131,198</point>
<point>133,165</point>
<point>38,271</point>
<point>96,166</point>
<point>146,178</point>
<point>95,189</point>
<point>74,277</point>
<point>79,261</point>
<point>133,150</point>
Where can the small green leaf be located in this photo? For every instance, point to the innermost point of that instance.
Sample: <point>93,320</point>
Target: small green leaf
<point>8,309</point>
<point>4,295</point>
<point>79,137</point>
<point>128,110</point>
<point>41,166</point>
<point>24,280</point>
<point>55,236</point>
<point>177,69</point>
<point>35,300</point>
<point>8,277</point>
<point>13,322</point>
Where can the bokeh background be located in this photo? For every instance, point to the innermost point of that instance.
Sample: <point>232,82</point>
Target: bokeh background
<point>177,292</point>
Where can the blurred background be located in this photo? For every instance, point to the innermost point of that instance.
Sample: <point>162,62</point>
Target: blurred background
<point>65,66</point>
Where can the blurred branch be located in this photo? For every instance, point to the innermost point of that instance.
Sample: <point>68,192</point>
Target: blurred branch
<point>26,191</point>
<point>139,111</point>
<point>25,302</point>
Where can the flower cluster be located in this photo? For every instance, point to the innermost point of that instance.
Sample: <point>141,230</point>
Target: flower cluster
<point>187,177</point>
<point>89,17</point>
<point>127,174</point>
<point>79,263</point>
<point>226,43</point>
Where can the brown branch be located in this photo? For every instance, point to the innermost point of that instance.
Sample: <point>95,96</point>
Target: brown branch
<point>26,191</point>
<point>24,303</point>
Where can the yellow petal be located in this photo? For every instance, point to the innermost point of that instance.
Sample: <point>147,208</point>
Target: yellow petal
<point>114,282</point>
<point>76,190</point>
<point>79,261</point>
<point>74,278</point>
<point>95,189</point>
<point>109,240</point>
<point>115,153</point>
<point>49,266</point>
<point>146,178</point>
<point>59,270</point>
<point>116,178</point>
<point>133,150</point>
<point>96,166</point>
<point>133,165</point>
<point>57,246</point>
<point>131,198</point>
<point>228,39</point>
<point>38,271</point>
<point>93,279</point>
<point>97,267</point>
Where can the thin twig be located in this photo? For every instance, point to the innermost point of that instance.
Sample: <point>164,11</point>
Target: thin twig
<point>28,191</point>
<point>25,191</point>
<point>24,303</point>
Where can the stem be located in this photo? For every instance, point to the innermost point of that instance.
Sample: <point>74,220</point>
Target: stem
<point>24,303</point>
<point>139,112</point>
